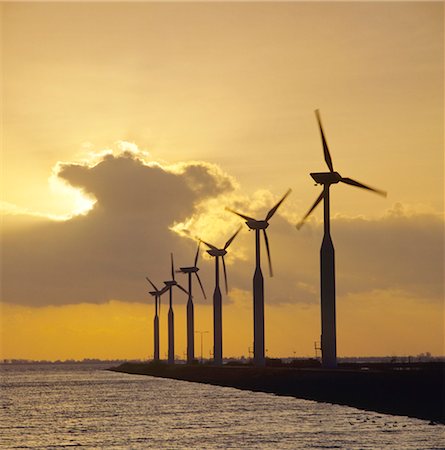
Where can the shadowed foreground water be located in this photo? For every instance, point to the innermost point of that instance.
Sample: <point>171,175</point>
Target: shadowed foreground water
<point>50,406</point>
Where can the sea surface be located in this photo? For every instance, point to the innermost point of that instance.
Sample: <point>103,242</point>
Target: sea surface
<point>61,406</point>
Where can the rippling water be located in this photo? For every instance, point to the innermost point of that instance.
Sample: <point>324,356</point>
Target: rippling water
<point>57,406</point>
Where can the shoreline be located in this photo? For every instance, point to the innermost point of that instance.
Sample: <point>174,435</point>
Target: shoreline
<point>416,393</point>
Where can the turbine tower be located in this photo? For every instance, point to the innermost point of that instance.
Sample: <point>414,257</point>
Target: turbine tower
<point>327,254</point>
<point>217,298</point>
<point>169,285</point>
<point>157,295</point>
<point>258,281</point>
<point>190,309</point>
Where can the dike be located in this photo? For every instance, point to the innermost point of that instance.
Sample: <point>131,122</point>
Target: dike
<point>414,391</point>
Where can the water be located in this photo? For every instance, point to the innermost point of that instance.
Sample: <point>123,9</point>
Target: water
<point>58,406</point>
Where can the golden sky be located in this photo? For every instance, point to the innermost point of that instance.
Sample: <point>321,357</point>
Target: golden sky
<point>165,113</point>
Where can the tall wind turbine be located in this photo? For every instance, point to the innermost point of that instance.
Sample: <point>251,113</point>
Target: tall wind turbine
<point>157,295</point>
<point>170,284</point>
<point>217,298</point>
<point>258,280</point>
<point>190,309</point>
<point>327,256</point>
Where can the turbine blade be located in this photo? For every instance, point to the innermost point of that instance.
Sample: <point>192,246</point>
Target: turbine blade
<point>363,186</point>
<point>163,291</point>
<point>182,289</point>
<point>155,288</point>
<point>266,240</point>
<point>173,266</point>
<point>232,238</point>
<point>225,275</point>
<point>208,245</point>
<point>200,283</point>
<point>319,199</point>
<point>243,216</point>
<point>274,209</point>
<point>197,254</point>
<point>327,155</point>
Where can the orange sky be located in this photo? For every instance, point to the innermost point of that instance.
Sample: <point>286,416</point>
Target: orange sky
<point>201,106</point>
<point>381,326</point>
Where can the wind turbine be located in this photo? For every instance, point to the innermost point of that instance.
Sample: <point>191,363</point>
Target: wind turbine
<point>169,285</point>
<point>217,298</point>
<point>190,309</point>
<point>258,280</point>
<point>157,295</point>
<point>327,255</point>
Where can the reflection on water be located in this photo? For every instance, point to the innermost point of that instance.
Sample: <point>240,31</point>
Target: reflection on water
<point>50,406</point>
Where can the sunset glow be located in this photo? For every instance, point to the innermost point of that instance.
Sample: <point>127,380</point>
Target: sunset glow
<point>128,128</point>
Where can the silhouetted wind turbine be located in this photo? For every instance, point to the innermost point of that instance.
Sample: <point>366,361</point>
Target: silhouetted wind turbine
<point>190,316</point>
<point>217,299</point>
<point>157,295</point>
<point>171,320</point>
<point>327,255</point>
<point>258,280</point>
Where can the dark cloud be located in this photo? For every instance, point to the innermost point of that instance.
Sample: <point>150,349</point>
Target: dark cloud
<point>400,252</point>
<point>106,253</point>
<point>403,252</point>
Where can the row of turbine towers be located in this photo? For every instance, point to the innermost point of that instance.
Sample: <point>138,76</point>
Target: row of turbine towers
<point>327,278</point>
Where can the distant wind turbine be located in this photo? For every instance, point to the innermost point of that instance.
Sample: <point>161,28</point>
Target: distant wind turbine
<point>258,280</point>
<point>169,285</point>
<point>217,298</point>
<point>190,309</point>
<point>157,295</point>
<point>327,254</point>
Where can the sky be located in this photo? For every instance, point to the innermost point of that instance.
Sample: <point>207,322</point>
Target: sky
<point>127,128</point>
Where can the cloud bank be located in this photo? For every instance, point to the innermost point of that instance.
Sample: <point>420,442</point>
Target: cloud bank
<point>139,216</point>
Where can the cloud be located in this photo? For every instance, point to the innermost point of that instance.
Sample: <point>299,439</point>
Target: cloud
<point>401,251</point>
<point>143,210</point>
<point>106,253</point>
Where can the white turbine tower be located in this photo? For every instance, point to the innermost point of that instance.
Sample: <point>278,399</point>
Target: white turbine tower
<point>258,281</point>
<point>157,295</point>
<point>170,284</point>
<point>190,308</point>
<point>217,298</point>
<point>327,254</point>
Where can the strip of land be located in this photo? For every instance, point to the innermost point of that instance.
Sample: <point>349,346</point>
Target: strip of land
<point>415,390</point>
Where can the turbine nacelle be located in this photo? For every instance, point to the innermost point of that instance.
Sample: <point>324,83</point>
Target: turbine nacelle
<point>188,269</point>
<point>331,177</point>
<point>170,283</point>
<point>217,252</point>
<point>156,291</point>
<point>257,224</point>
<point>326,177</point>
<point>220,253</point>
<point>254,224</point>
<point>191,270</point>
